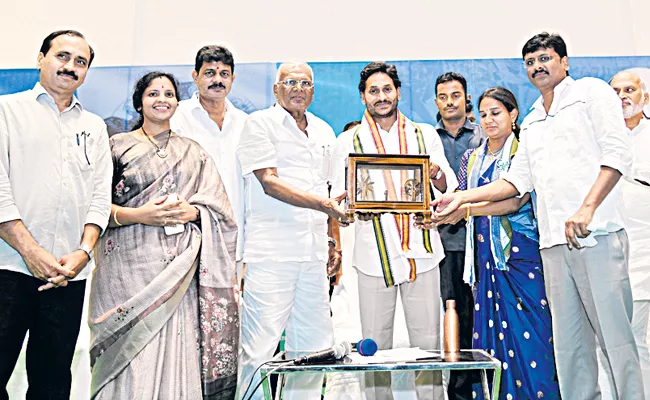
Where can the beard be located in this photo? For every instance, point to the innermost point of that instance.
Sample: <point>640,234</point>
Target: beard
<point>630,111</point>
<point>388,114</point>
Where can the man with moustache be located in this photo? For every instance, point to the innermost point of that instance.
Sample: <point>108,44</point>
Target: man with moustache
<point>458,134</point>
<point>392,256</point>
<point>285,156</point>
<point>55,199</point>
<point>209,118</point>
<point>633,92</point>
<point>573,149</point>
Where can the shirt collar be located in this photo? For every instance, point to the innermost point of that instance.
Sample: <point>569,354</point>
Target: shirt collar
<point>279,114</point>
<point>538,105</point>
<point>39,91</point>
<point>196,103</point>
<point>467,126</point>
<point>643,124</point>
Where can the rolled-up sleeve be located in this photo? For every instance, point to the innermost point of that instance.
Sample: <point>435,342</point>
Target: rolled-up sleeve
<point>8,209</point>
<point>606,113</point>
<point>100,205</point>
<point>255,149</point>
<point>520,174</point>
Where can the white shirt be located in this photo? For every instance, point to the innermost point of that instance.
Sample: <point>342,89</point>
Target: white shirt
<point>365,253</point>
<point>636,210</point>
<point>45,178</point>
<point>192,121</point>
<point>276,231</point>
<point>560,155</point>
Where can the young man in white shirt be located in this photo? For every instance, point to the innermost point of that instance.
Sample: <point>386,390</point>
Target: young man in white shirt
<point>407,260</point>
<point>285,157</point>
<point>633,92</point>
<point>209,118</point>
<point>573,150</point>
<point>55,199</point>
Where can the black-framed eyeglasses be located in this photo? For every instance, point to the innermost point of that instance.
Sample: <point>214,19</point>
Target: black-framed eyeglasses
<point>305,84</point>
<point>543,59</point>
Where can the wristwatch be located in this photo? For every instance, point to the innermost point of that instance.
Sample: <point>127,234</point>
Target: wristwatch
<point>331,240</point>
<point>438,175</point>
<point>86,249</point>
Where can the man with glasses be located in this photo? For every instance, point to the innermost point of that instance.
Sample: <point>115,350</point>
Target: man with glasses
<point>573,149</point>
<point>285,158</point>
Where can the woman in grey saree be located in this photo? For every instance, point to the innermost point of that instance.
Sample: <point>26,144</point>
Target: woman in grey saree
<point>163,313</point>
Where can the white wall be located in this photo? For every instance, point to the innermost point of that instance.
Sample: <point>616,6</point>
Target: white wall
<point>151,32</point>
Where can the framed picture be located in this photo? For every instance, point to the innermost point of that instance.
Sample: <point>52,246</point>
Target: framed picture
<point>388,183</point>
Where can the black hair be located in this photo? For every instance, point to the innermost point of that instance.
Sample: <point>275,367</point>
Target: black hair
<point>208,54</point>
<point>47,42</point>
<point>505,97</point>
<point>451,77</point>
<point>542,41</point>
<point>142,84</point>
<point>351,125</point>
<point>375,67</point>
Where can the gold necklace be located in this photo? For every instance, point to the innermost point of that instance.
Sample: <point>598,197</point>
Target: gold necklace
<point>160,152</point>
<point>492,153</point>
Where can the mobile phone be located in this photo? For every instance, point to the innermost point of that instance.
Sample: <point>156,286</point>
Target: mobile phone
<point>173,229</point>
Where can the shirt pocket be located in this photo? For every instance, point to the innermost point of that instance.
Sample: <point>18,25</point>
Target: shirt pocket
<point>81,154</point>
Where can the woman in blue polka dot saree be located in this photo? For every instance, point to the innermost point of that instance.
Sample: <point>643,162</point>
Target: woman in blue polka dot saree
<point>512,320</point>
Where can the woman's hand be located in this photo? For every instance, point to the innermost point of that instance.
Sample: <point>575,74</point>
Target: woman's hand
<point>452,218</point>
<point>158,212</point>
<point>190,213</point>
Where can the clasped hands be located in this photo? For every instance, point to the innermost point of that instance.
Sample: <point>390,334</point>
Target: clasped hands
<point>158,212</point>
<point>56,273</point>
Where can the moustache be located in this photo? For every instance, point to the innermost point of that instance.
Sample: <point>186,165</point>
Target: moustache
<point>381,103</point>
<point>217,85</point>
<point>69,73</point>
<point>541,71</point>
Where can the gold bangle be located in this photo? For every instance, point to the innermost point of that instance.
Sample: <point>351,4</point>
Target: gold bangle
<point>115,217</point>
<point>469,210</point>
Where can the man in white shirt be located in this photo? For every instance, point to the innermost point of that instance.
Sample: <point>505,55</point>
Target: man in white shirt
<point>573,150</point>
<point>407,259</point>
<point>633,92</point>
<point>209,118</point>
<point>285,157</point>
<point>55,199</point>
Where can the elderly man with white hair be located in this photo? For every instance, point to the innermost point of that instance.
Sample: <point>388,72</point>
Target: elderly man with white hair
<point>632,91</point>
<point>285,152</point>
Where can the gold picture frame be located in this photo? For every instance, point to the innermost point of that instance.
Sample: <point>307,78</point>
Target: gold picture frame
<point>370,190</point>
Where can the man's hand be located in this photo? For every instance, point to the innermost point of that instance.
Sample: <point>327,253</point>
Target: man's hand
<point>446,204</point>
<point>158,213</point>
<point>332,206</point>
<point>44,265</point>
<point>433,170</point>
<point>577,226</point>
<point>334,260</point>
<point>75,262</point>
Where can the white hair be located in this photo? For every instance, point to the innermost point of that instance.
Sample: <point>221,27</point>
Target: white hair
<point>292,64</point>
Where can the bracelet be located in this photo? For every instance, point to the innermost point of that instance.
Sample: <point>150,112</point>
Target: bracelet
<point>115,217</point>
<point>469,211</point>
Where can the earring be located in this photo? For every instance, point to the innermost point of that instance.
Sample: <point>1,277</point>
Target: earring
<point>514,126</point>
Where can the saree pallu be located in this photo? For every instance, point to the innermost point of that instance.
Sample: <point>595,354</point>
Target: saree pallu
<point>163,317</point>
<point>512,320</point>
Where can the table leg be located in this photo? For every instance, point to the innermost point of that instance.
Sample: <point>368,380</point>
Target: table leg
<point>485,386</point>
<point>496,383</point>
<point>266,386</point>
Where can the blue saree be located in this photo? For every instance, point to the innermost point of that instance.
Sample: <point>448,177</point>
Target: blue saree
<point>512,320</point>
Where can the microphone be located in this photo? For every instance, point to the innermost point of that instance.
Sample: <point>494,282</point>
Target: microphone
<point>335,353</point>
<point>366,347</point>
